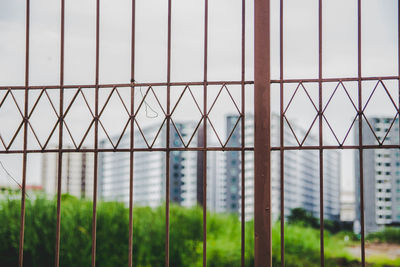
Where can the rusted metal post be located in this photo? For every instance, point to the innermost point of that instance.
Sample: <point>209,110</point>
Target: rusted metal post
<point>281,136</point>
<point>60,138</point>
<point>200,164</point>
<point>132,134</point>
<point>25,155</point>
<point>321,142</point>
<point>96,136</point>
<point>360,134</point>
<point>262,138</point>
<point>168,137</point>
<point>205,112</point>
<point>242,136</point>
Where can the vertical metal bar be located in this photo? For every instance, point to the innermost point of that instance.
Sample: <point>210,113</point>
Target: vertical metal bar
<point>398,59</point>
<point>132,135</point>
<point>83,178</point>
<point>205,134</point>
<point>243,132</point>
<point>262,136</point>
<point>167,162</point>
<point>60,137</point>
<point>24,159</point>
<point>282,138</point>
<point>68,174</point>
<point>96,136</point>
<point>360,135</point>
<point>321,151</point>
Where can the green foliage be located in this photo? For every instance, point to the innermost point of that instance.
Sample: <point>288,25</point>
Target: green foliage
<point>387,235</point>
<point>306,218</point>
<point>224,241</point>
<point>149,231</point>
<point>301,216</point>
<point>112,234</point>
<point>302,247</point>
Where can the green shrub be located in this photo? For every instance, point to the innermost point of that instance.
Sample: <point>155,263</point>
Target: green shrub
<point>387,235</point>
<point>149,231</point>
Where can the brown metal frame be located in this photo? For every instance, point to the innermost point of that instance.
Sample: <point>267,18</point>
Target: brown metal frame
<point>262,148</point>
<point>359,108</point>
<point>132,112</point>
<point>262,137</point>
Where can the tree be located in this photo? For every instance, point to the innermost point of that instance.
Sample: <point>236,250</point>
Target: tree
<point>301,216</point>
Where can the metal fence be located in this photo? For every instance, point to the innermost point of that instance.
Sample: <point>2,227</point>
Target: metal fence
<point>262,110</point>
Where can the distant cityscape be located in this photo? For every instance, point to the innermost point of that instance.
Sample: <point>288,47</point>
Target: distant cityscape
<point>224,174</point>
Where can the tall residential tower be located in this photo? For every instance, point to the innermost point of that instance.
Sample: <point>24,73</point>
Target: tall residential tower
<point>381,175</point>
<point>301,174</point>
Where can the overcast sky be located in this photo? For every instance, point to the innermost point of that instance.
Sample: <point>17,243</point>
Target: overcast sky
<point>379,58</point>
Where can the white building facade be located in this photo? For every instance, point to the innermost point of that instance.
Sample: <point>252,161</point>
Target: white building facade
<point>149,179</point>
<point>381,175</point>
<point>301,174</point>
<point>77,174</point>
<point>223,174</point>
